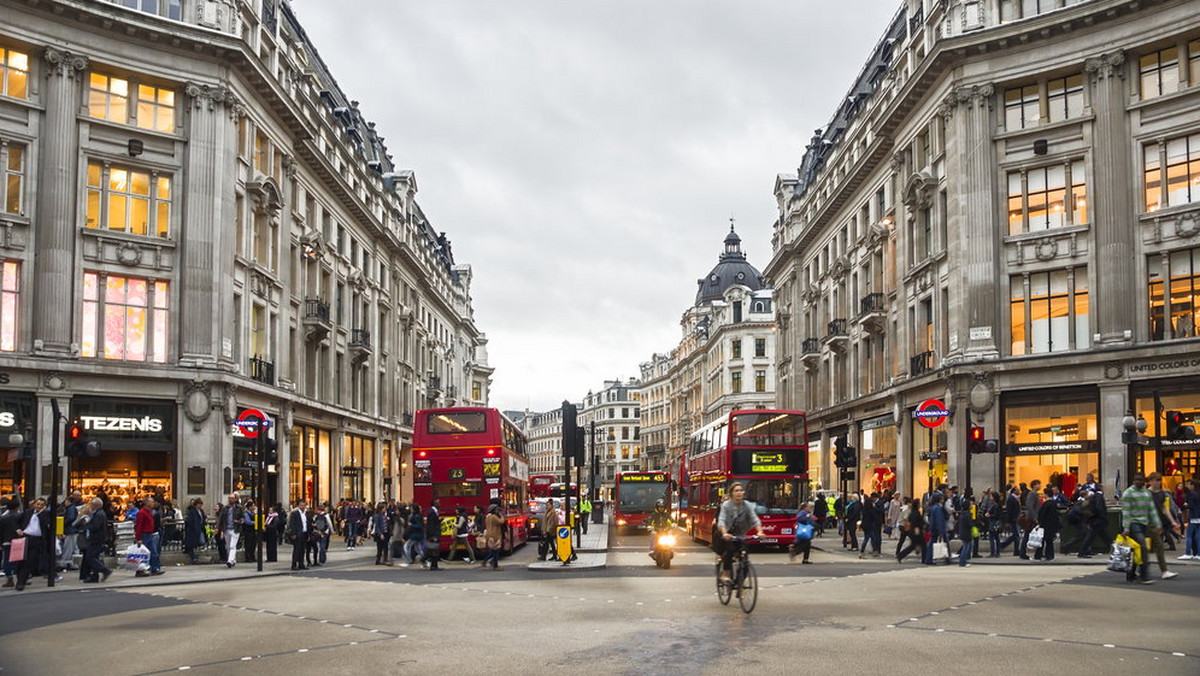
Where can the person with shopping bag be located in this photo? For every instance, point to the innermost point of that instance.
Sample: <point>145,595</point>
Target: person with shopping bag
<point>938,536</point>
<point>97,534</point>
<point>1138,518</point>
<point>34,527</point>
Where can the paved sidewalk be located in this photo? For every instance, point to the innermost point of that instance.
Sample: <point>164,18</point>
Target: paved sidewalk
<point>337,557</point>
<point>832,546</point>
<point>592,552</point>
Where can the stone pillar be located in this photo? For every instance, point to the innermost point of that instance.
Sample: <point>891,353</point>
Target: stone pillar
<point>1114,403</point>
<point>56,227</point>
<point>972,205</point>
<point>1111,210</point>
<point>205,313</point>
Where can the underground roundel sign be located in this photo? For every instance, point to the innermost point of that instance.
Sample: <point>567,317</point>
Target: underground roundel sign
<point>931,413</point>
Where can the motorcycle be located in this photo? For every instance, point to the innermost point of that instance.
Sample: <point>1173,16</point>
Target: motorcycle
<point>664,548</point>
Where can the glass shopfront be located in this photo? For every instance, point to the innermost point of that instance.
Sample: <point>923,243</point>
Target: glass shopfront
<point>137,441</point>
<point>928,460</point>
<point>877,451</point>
<point>245,461</point>
<point>358,460</point>
<point>1179,459</point>
<point>309,465</point>
<point>1052,437</point>
<point>16,417</point>
<point>815,478</point>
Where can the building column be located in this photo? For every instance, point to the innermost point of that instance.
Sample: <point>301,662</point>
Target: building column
<point>974,310</point>
<point>1114,403</point>
<point>56,227</point>
<point>205,315</point>
<point>1111,210</point>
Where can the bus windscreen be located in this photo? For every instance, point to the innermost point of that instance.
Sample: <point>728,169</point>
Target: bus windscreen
<point>768,429</point>
<point>640,496</point>
<point>457,422</point>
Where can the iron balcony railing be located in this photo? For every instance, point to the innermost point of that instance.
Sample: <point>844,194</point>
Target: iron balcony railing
<point>315,308</point>
<point>837,327</point>
<point>921,363</point>
<point>360,338</point>
<point>262,370</point>
<point>871,303</point>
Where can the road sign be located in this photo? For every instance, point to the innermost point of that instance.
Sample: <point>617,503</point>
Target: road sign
<point>564,543</point>
<point>931,413</point>
<point>931,455</point>
<point>250,420</point>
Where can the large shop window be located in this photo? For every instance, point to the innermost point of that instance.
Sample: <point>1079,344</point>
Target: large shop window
<point>1056,443</point>
<point>1049,312</point>
<point>358,460</point>
<point>1178,317</point>
<point>1180,459</point>
<point>127,200</point>
<point>877,452</point>
<point>1047,197</point>
<point>124,318</point>
<point>1181,159</point>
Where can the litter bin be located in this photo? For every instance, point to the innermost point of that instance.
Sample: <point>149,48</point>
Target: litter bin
<point>597,512</point>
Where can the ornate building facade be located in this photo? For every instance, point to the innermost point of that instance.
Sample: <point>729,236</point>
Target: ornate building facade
<point>1001,218</point>
<point>199,223</point>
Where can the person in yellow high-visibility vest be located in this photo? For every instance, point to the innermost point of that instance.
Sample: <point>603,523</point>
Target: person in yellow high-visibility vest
<point>585,512</point>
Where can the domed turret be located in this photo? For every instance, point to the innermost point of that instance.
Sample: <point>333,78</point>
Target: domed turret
<point>732,268</point>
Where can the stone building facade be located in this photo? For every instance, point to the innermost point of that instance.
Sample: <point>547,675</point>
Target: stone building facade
<point>1002,216</point>
<point>198,222</point>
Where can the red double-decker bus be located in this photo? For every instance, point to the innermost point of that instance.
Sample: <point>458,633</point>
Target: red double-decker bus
<point>539,485</point>
<point>468,457</point>
<point>635,495</point>
<point>766,450</point>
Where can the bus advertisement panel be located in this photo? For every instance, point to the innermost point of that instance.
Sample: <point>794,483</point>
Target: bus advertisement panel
<point>767,451</point>
<point>636,494</point>
<point>471,457</point>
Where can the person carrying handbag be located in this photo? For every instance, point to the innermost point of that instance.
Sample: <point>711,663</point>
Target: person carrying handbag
<point>802,543</point>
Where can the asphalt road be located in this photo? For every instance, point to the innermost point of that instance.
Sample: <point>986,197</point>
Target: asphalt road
<point>840,614</point>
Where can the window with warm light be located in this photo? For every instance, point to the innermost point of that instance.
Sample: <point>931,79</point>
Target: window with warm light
<point>1174,306</point>
<point>14,73</point>
<point>1048,197</point>
<point>152,107</point>
<point>124,318</point>
<point>10,304</point>
<point>14,178</point>
<point>1181,159</point>
<point>1049,312</point>
<point>128,200</point>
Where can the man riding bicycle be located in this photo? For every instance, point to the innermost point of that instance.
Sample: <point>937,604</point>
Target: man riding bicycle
<point>736,518</point>
<point>659,520</point>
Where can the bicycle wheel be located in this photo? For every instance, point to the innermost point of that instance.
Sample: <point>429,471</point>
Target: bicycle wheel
<point>724,588</point>
<point>749,592</point>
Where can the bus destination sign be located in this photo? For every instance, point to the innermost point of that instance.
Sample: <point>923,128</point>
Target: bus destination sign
<point>655,478</point>
<point>771,463</point>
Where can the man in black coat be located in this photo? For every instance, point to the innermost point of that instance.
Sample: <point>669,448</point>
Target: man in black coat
<point>34,526</point>
<point>97,534</point>
<point>297,533</point>
<point>433,535</point>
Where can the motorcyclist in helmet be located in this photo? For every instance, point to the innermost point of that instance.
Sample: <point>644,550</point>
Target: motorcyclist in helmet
<point>659,520</point>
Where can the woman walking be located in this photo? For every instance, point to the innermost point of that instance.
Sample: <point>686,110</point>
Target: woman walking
<point>495,534</point>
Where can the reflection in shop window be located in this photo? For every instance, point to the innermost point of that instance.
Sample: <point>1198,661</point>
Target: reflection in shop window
<point>1178,318</point>
<point>10,302</point>
<point>124,318</point>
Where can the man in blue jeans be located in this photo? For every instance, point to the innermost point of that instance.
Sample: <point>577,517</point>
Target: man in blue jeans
<point>147,531</point>
<point>1139,519</point>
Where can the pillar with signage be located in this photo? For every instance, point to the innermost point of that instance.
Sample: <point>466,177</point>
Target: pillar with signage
<point>930,446</point>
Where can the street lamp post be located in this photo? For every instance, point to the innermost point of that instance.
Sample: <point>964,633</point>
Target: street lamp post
<point>1132,437</point>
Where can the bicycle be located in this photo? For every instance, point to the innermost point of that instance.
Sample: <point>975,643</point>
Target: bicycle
<point>744,580</point>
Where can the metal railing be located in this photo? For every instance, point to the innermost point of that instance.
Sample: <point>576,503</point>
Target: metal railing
<point>837,327</point>
<point>921,363</point>
<point>810,345</point>
<point>262,370</point>
<point>315,308</point>
<point>871,303</point>
<point>360,338</point>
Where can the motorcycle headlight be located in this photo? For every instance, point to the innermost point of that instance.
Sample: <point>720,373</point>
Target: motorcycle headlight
<point>666,540</point>
<point>620,522</point>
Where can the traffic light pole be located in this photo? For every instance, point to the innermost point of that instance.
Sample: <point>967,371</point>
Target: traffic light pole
<point>260,445</point>
<point>52,568</point>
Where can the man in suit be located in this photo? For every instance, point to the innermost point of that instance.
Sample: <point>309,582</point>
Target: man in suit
<point>297,534</point>
<point>34,526</point>
<point>97,534</point>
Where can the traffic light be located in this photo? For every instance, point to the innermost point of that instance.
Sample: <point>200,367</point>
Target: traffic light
<point>851,454</point>
<point>271,451</point>
<point>975,441</point>
<point>839,452</point>
<point>78,445</point>
<point>570,427</point>
<point>1176,430</point>
<point>579,450</point>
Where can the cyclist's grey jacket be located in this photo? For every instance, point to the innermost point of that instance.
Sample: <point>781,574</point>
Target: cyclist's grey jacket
<point>738,520</point>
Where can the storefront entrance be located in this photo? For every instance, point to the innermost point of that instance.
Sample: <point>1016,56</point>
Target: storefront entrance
<point>137,440</point>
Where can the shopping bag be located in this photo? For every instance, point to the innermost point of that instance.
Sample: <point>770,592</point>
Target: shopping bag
<point>941,550</point>
<point>1135,549</point>
<point>137,557</point>
<point>1120,560</point>
<point>16,550</point>
<point>1035,537</point>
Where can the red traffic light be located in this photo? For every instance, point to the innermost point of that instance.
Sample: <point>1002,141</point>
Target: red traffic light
<point>976,434</point>
<point>75,431</point>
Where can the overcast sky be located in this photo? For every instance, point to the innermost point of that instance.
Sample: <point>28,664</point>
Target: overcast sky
<point>585,157</point>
